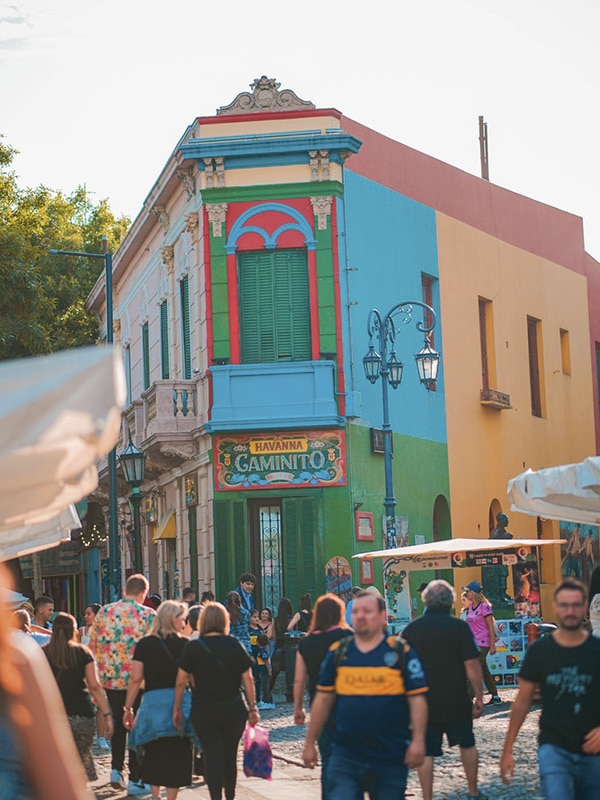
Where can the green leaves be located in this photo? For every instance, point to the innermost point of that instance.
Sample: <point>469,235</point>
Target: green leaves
<point>42,296</point>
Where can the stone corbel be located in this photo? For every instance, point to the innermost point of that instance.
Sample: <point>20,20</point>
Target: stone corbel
<point>191,226</point>
<point>220,169</point>
<point>217,213</point>
<point>209,171</point>
<point>314,165</point>
<point>321,209</point>
<point>168,257</point>
<point>324,161</point>
<point>163,216</point>
<point>186,176</point>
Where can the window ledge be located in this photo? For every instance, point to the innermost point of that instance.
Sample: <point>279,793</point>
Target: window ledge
<point>494,399</point>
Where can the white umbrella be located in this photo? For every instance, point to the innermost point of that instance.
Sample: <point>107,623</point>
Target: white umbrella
<point>570,493</point>
<point>58,415</point>
<point>450,546</point>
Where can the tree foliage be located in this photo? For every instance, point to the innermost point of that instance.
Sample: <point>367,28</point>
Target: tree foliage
<point>42,296</point>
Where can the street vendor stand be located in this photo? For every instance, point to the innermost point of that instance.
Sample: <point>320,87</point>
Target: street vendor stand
<point>503,561</point>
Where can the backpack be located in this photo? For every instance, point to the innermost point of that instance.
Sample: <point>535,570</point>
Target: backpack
<point>396,642</point>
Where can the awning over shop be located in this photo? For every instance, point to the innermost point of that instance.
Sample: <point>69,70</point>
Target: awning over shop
<point>167,528</point>
<point>456,546</point>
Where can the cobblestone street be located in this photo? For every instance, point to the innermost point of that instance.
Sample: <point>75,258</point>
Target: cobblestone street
<point>291,781</point>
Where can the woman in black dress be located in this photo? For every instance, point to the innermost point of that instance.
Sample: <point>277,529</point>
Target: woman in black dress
<point>75,671</point>
<point>167,757</point>
<point>217,665</point>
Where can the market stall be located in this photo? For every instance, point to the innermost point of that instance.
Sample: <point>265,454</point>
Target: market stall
<point>509,569</point>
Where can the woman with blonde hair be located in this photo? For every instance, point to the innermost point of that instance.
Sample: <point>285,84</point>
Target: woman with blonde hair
<point>166,752</point>
<point>480,619</point>
<point>75,671</point>
<point>218,666</point>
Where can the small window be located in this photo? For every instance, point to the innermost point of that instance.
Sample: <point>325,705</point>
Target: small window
<point>535,365</point>
<point>486,341</point>
<point>565,352</point>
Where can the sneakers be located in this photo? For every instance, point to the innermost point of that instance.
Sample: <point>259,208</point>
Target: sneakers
<point>494,700</point>
<point>103,744</point>
<point>117,781</point>
<point>265,706</point>
<point>138,788</point>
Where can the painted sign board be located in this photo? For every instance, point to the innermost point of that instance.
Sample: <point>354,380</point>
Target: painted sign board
<point>297,459</point>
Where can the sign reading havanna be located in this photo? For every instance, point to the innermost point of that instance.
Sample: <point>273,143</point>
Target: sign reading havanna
<point>315,458</point>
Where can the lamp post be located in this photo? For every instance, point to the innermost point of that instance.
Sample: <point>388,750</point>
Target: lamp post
<point>114,571</point>
<point>378,363</point>
<point>133,464</point>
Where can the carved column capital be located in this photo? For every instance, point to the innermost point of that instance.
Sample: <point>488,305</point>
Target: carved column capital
<point>168,256</point>
<point>217,213</point>
<point>209,171</point>
<point>191,225</point>
<point>321,209</point>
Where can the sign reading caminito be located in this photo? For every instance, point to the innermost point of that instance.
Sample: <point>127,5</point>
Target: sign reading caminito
<point>262,461</point>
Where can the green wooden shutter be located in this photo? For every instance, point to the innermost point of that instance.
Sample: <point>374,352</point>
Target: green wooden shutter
<point>232,555</point>
<point>274,306</point>
<point>184,293</point>
<point>301,548</point>
<point>164,341</point>
<point>145,356</point>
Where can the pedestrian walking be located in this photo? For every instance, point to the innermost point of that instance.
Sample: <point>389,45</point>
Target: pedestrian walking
<point>301,619</point>
<point>285,612</point>
<point>245,589</point>
<point>328,626</point>
<point>239,620</point>
<point>378,687</point>
<point>167,755</point>
<point>480,619</point>
<point>117,629</point>
<point>218,666</point>
<point>74,669</point>
<point>566,667</point>
<point>89,615</point>
<point>449,656</point>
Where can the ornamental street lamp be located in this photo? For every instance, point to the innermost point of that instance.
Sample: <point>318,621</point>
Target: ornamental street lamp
<point>114,570</point>
<point>133,464</point>
<point>378,363</point>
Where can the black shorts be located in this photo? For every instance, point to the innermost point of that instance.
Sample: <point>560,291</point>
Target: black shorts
<point>458,732</point>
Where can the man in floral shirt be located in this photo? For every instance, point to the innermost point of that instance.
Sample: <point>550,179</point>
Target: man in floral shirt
<point>117,629</point>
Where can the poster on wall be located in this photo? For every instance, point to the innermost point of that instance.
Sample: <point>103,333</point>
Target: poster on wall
<point>580,554</point>
<point>285,460</point>
<point>338,577</point>
<point>527,588</point>
<point>397,596</point>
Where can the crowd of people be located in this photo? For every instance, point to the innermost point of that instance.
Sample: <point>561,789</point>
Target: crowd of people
<point>172,684</point>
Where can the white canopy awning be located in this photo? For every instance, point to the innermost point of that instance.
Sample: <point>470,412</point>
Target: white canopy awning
<point>456,546</point>
<point>570,493</point>
<point>58,415</point>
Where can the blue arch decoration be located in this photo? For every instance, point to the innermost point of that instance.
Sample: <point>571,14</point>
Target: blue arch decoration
<point>299,224</point>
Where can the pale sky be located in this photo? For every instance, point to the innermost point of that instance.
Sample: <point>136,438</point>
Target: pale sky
<point>100,91</point>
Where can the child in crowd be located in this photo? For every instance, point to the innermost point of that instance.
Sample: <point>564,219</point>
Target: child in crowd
<point>263,661</point>
<point>255,629</point>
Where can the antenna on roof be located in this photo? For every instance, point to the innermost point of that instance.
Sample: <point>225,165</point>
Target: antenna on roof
<point>483,149</point>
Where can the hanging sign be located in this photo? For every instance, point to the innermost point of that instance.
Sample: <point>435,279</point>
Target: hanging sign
<point>283,460</point>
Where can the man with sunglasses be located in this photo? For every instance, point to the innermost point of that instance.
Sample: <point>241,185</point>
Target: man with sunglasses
<point>566,666</point>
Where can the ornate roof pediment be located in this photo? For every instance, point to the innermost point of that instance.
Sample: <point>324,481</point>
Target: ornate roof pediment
<point>265,97</point>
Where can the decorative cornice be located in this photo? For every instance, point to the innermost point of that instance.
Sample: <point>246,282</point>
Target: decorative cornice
<point>217,213</point>
<point>168,256</point>
<point>321,209</point>
<point>186,176</point>
<point>272,191</point>
<point>163,216</point>
<point>265,97</point>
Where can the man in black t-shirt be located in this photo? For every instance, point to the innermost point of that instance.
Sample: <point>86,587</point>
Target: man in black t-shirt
<point>449,656</point>
<point>566,666</point>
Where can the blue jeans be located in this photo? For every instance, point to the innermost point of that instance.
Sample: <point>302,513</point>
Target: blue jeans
<point>568,776</point>
<point>348,778</point>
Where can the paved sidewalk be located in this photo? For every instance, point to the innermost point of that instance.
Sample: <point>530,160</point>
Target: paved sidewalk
<point>292,782</point>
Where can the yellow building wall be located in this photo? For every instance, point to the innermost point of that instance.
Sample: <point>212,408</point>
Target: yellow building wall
<point>487,447</point>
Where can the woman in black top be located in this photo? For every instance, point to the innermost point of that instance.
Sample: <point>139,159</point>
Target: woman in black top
<point>167,758</point>
<point>285,612</point>
<point>328,626</point>
<point>302,619</point>
<point>217,665</point>
<point>74,668</point>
